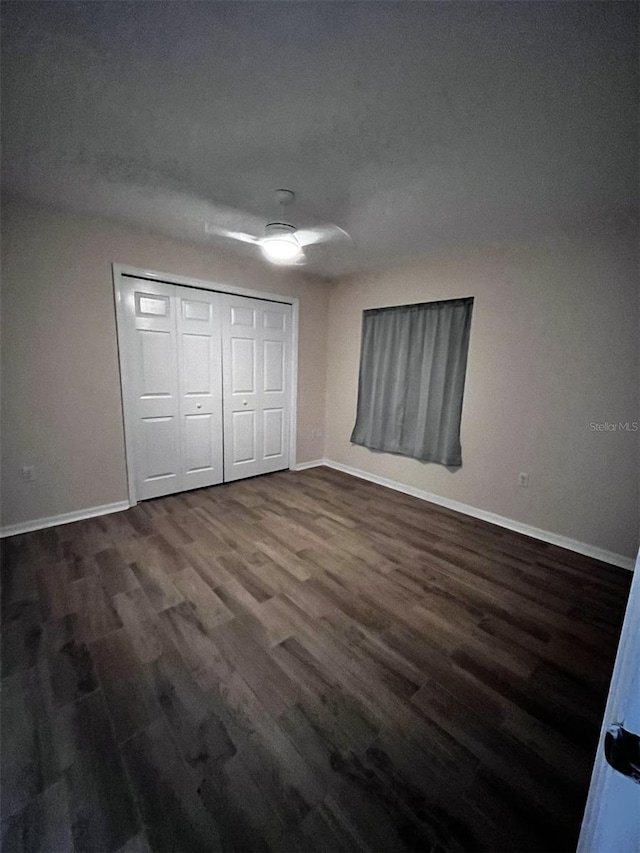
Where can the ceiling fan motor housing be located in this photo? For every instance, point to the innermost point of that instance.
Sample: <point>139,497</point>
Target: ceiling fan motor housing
<point>279,244</point>
<point>277,229</point>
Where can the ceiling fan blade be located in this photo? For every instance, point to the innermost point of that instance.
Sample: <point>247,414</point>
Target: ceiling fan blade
<point>242,227</point>
<point>231,235</point>
<point>322,234</point>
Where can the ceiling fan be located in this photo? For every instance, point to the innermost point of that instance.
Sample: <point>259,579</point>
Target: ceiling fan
<point>281,242</point>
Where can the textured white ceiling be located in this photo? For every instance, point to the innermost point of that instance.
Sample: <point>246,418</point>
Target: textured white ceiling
<point>412,125</point>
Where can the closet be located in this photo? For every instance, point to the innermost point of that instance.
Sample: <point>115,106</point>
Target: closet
<point>206,380</point>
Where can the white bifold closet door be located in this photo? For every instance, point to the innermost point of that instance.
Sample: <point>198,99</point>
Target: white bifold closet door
<point>209,377</point>
<point>256,370</point>
<point>177,380</point>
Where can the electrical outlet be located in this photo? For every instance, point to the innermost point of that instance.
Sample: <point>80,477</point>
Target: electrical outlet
<point>28,473</point>
<point>523,479</point>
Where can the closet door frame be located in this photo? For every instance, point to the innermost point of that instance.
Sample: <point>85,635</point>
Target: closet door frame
<point>121,274</point>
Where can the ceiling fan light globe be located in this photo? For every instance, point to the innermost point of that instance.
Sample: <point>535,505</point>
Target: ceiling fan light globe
<point>282,249</point>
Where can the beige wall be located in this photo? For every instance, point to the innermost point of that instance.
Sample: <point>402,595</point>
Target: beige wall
<point>554,347</point>
<point>61,408</point>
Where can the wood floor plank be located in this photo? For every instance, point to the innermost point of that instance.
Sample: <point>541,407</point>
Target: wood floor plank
<point>136,844</point>
<point>172,531</point>
<point>264,621</point>
<point>205,561</point>
<point>131,701</point>
<point>167,794</point>
<point>43,826</point>
<point>208,608</point>
<point>158,588</point>
<point>29,762</point>
<point>254,582</point>
<point>520,768</point>
<point>69,660</point>
<point>141,623</point>
<point>96,614</point>
<point>21,637</point>
<point>101,807</point>
<point>254,664</point>
<point>286,559</point>
<point>297,662</point>
<point>195,645</point>
<point>245,821</point>
<point>56,593</point>
<point>115,572</point>
<point>160,554</point>
<point>193,715</point>
<point>18,569</point>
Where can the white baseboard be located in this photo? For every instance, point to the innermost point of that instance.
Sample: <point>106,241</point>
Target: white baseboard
<point>519,527</point>
<point>315,463</point>
<point>64,518</point>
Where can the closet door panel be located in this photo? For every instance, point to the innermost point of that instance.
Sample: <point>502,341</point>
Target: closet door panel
<point>273,367</point>
<point>243,440</point>
<point>200,386</point>
<point>276,379</point>
<point>256,346</point>
<point>159,448</point>
<point>199,444</point>
<point>154,378</point>
<point>157,367</point>
<point>196,374</point>
<point>273,433</point>
<point>209,380</point>
<point>242,370</point>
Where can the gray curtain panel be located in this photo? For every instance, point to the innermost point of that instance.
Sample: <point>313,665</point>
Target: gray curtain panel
<point>413,361</point>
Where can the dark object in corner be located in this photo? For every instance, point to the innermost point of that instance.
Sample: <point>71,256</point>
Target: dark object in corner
<point>622,751</point>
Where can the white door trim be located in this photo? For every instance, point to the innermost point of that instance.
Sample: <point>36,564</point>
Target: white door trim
<point>125,356</point>
<point>612,813</point>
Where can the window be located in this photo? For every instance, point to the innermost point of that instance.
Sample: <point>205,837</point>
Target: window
<point>413,361</point>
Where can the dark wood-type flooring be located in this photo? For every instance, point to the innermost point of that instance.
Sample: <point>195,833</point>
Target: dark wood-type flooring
<point>299,662</point>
